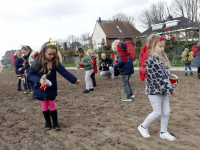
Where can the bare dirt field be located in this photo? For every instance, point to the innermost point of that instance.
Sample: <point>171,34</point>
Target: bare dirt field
<point>98,120</point>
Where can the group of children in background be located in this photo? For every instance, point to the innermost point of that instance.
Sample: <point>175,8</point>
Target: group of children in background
<point>22,68</point>
<point>187,58</point>
<point>47,64</point>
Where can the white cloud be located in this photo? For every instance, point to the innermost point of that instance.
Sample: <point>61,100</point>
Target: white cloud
<point>32,22</point>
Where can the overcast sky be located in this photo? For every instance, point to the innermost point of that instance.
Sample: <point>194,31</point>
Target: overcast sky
<point>33,22</point>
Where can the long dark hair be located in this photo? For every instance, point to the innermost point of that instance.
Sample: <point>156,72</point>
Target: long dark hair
<point>41,57</point>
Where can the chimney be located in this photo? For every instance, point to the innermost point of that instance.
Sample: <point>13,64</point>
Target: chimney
<point>169,17</point>
<point>100,19</point>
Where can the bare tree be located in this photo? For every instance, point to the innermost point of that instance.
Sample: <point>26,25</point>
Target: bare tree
<point>186,8</point>
<point>84,37</point>
<point>123,17</point>
<point>157,12</point>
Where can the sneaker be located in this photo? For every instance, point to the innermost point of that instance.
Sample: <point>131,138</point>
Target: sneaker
<point>94,85</point>
<point>191,74</point>
<point>27,91</point>
<point>92,89</point>
<point>86,91</point>
<point>186,74</point>
<point>167,136</point>
<point>127,99</point>
<point>132,95</point>
<point>144,132</point>
<point>20,90</point>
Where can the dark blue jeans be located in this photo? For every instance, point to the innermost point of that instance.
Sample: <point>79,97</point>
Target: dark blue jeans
<point>24,83</point>
<point>189,69</point>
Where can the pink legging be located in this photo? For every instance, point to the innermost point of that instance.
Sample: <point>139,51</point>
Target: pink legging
<point>48,103</point>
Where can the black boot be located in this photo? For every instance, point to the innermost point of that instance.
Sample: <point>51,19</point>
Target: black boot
<point>47,119</point>
<point>55,120</point>
<point>19,85</point>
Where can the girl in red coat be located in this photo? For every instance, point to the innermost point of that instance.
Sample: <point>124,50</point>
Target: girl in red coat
<point>93,56</point>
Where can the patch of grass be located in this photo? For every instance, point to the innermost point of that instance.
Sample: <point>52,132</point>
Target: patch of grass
<point>8,69</point>
<point>69,65</point>
<point>178,64</point>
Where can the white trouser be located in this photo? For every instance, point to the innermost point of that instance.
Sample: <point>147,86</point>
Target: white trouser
<point>160,105</point>
<point>87,79</point>
<point>108,72</point>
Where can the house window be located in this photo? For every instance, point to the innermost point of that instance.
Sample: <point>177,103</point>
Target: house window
<point>98,41</point>
<point>119,29</point>
<point>182,35</point>
<point>167,37</point>
<point>157,27</point>
<point>172,23</point>
<point>98,32</point>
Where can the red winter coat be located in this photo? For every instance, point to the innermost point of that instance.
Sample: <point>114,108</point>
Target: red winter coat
<point>94,62</point>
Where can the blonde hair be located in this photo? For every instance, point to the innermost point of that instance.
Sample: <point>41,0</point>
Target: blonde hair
<point>114,45</point>
<point>186,50</point>
<point>18,53</point>
<point>152,40</point>
<point>90,51</point>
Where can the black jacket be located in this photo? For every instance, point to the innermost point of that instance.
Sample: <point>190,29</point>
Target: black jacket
<point>108,61</point>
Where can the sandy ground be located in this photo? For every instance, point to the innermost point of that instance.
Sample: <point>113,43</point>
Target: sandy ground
<point>98,120</point>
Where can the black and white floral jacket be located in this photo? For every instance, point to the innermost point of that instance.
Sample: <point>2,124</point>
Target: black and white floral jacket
<point>157,79</point>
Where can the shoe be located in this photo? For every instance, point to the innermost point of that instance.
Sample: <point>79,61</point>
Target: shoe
<point>167,136</point>
<point>20,90</point>
<point>186,74</point>
<point>132,95</point>
<point>47,119</point>
<point>127,99</point>
<point>27,91</point>
<point>86,91</point>
<point>55,120</point>
<point>33,98</point>
<point>94,85</point>
<point>191,74</point>
<point>144,132</point>
<point>92,89</point>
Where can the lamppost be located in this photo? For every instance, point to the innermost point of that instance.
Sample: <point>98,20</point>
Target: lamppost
<point>192,33</point>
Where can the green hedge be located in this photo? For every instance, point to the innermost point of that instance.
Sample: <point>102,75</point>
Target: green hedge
<point>108,52</point>
<point>189,45</point>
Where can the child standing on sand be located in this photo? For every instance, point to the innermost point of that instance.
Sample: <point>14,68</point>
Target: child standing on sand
<point>45,67</point>
<point>86,62</point>
<point>158,86</point>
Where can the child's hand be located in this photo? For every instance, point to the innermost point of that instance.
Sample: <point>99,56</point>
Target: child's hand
<point>19,69</point>
<point>77,82</point>
<point>80,63</point>
<point>107,65</point>
<point>175,84</point>
<point>42,82</point>
<point>173,93</point>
